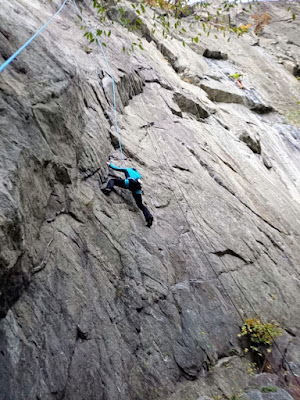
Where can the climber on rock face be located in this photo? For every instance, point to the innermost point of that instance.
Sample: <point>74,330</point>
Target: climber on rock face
<point>134,184</point>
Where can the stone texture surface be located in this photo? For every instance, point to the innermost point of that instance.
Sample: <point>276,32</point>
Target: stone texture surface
<point>277,394</point>
<point>94,305</point>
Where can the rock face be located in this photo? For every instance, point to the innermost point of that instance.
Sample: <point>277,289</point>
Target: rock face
<point>94,305</point>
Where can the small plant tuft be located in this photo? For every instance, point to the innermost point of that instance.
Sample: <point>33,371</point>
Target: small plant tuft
<point>236,76</point>
<point>268,389</point>
<point>118,292</point>
<point>260,332</point>
<point>87,49</point>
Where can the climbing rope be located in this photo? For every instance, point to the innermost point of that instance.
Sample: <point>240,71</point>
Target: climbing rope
<point>10,59</point>
<point>228,271</point>
<point>109,73</point>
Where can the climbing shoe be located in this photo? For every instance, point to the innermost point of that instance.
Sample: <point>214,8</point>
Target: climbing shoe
<point>106,191</point>
<point>149,221</point>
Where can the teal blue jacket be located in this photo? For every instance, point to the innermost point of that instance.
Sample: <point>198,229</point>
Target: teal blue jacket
<point>130,173</point>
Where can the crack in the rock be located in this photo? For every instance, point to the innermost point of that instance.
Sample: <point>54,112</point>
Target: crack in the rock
<point>106,115</point>
<point>155,280</point>
<point>64,211</point>
<point>271,239</point>
<point>90,174</point>
<point>218,180</point>
<point>45,259</point>
<point>181,168</point>
<point>231,253</point>
<point>266,252</point>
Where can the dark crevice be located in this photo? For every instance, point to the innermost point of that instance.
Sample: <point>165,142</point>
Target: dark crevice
<point>64,211</point>
<point>231,253</point>
<point>181,168</point>
<point>190,106</point>
<point>90,174</point>
<point>81,334</point>
<point>216,55</point>
<point>271,239</point>
<point>187,375</point>
<point>100,104</point>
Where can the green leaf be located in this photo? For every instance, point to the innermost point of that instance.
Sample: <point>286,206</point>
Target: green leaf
<point>236,76</point>
<point>124,49</point>
<point>141,47</point>
<point>294,15</point>
<point>142,7</point>
<point>99,32</point>
<point>183,43</point>
<point>103,44</point>
<point>196,39</point>
<point>109,33</point>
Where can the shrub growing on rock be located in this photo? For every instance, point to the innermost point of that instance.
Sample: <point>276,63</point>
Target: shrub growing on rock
<point>260,332</point>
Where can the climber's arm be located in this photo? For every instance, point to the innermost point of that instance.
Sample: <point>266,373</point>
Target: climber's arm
<point>117,168</point>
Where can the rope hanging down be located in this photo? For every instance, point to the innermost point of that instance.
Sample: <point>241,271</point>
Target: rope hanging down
<point>109,73</point>
<point>10,59</point>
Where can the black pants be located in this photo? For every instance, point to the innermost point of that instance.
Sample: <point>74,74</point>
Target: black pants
<point>132,186</point>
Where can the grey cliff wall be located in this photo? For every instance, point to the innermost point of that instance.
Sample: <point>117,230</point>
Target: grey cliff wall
<point>94,305</point>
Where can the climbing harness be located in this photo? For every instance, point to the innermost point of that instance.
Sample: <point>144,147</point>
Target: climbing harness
<point>10,59</point>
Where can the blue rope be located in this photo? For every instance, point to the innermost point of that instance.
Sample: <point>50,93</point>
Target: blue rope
<point>7,62</point>
<point>110,74</point>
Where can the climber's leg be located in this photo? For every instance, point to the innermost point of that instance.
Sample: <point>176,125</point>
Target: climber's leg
<point>141,206</point>
<point>113,182</point>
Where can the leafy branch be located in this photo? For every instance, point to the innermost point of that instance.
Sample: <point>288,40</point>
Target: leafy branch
<point>166,18</point>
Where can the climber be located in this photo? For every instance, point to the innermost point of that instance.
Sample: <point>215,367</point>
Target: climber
<point>134,184</point>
